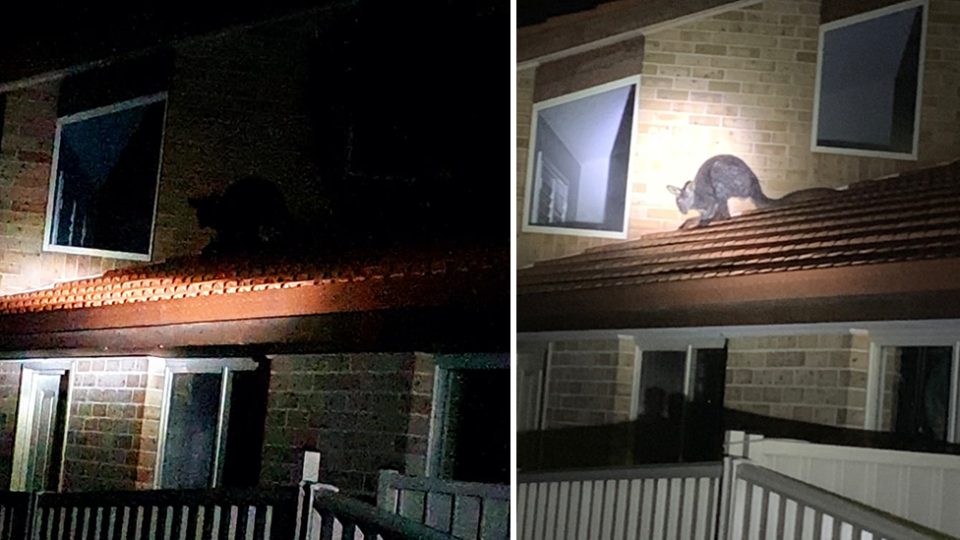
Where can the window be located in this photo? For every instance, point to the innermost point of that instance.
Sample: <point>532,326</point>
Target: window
<point>470,435</point>
<point>196,419</point>
<point>870,69</point>
<point>678,400</point>
<point>104,180</point>
<point>917,393</point>
<point>578,171</point>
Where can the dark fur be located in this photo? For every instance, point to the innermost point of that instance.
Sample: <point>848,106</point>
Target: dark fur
<point>725,176</point>
<point>249,215</point>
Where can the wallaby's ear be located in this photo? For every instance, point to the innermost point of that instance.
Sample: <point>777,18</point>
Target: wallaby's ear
<point>674,190</point>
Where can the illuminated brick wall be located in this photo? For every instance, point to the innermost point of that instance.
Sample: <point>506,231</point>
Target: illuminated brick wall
<point>112,431</point>
<point>9,392</point>
<point>589,382</point>
<point>811,378</point>
<point>363,412</point>
<point>742,82</point>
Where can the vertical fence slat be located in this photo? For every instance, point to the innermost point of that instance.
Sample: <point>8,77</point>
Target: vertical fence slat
<point>216,517</point>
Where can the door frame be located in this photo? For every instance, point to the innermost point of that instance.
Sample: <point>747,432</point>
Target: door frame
<point>25,418</point>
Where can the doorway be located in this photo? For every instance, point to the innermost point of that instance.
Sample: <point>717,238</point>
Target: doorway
<point>41,428</point>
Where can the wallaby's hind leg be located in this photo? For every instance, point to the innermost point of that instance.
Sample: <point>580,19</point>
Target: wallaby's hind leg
<point>709,213</point>
<point>723,211</point>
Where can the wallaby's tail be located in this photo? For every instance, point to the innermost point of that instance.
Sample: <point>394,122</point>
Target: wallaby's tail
<point>762,201</point>
<point>799,196</point>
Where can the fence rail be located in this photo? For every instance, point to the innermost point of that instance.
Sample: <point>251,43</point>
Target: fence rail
<point>645,502</point>
<point>337,517</point>
<point>467,510</point>
<point>166,514</point>
<point>768,505</point>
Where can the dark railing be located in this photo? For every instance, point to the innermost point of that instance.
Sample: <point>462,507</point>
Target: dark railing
<point>14,515</point>
<point>285,513</point>
<point>261,514</point>
<point>699,437</point>
<point>339,517</point>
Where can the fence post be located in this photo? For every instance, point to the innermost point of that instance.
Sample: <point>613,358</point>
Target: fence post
<point>731,502</point>
<point>31,522</point>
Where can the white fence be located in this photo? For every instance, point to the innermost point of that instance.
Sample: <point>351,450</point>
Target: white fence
<point>467,510</point>
<point>735,500</point>
<point>657,502</point>
<point>923,488</point>
<point>766,505</point>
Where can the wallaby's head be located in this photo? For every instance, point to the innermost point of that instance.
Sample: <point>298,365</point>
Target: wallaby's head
<point>684,196</point>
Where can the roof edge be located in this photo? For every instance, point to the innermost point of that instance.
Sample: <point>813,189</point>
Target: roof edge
<point>927,289</point>
<point>528,34</point>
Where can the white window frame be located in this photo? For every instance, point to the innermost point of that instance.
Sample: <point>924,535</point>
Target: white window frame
<point>52,197</point>
<point>224,366</point>
<point>533,163</point>
<point>876,381</point>
<point>848,21</point>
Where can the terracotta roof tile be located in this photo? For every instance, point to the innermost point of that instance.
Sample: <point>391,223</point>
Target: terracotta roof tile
<point>193,277</point>
<point>904,218</point>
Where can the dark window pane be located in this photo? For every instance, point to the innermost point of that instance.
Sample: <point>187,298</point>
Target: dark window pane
<point>868,83</point>
<point>106,180</point>
<point>661,382</point>
<point>923,392</point>
<point>476,446</point>
<point>191,430</point>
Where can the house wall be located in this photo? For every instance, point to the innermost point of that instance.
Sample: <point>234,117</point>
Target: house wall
<point>589,382</point>
<point>743,82</point>
<point>112,431</point>
<point>362,412</point>
<point>9,392</point>
<point>812,378</point>
<point>236,107</point>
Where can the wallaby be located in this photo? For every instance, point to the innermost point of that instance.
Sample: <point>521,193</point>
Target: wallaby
<point>249,215</point>
<point>725,176</point>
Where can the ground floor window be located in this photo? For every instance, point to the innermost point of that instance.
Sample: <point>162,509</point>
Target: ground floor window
<point>678,402</point>
<point>918,386</point>
<point>470,435</point>
<point>196,421</point>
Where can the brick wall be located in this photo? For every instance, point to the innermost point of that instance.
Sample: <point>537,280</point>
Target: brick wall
<point>811,378</point>
<point>363,412</point>
<point>9,394</point>
<point>106,447</point>
<point>743,82</point>
<point>237,106</point>
<point>25,158</point>
<point>589,382</point>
